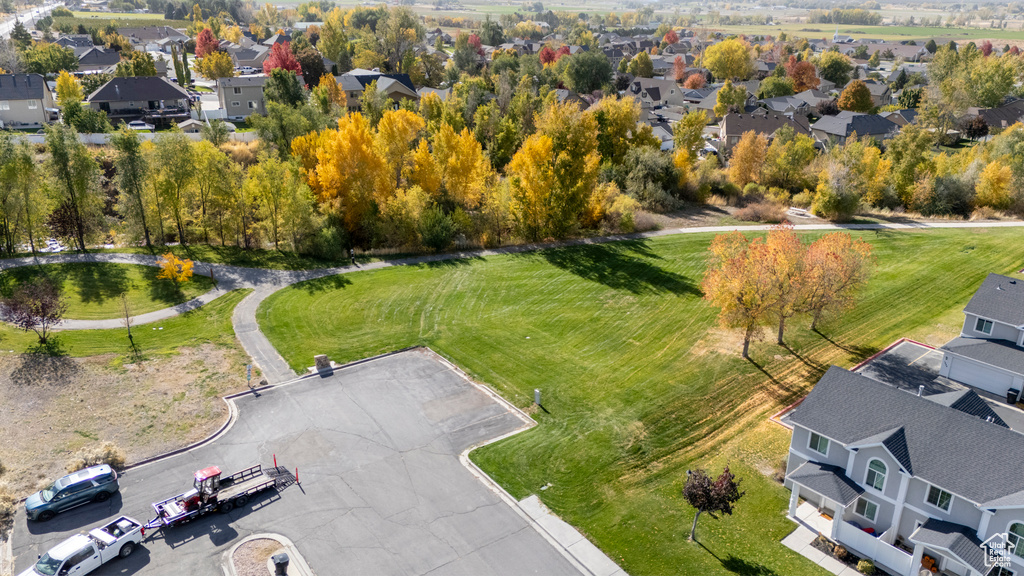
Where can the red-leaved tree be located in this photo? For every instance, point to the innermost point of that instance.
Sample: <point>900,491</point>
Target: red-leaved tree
<point>546,55</point>
<point>563,51</point>
<point>714,497</point>
<point>476,44</point>
<point>36,306</point>
<point>281,57</point>
<point>206,43</point>
<point>679,69</point>
<point>671,37</point>
<point>803,74</point>
<point>695,81</point>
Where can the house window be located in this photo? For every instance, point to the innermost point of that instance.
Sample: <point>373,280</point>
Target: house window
<point>939,498</point>
<point>237,90</point>
<point>1000,571</point>
<point>867,509</point>
<point>252,105</point>
<point>818,443</point>
<point>5,105</point>
<point>983,326</point>
<point>1015,536</point>
<point>236,104</point>
<point>33,104</point>
<point>876,475</point>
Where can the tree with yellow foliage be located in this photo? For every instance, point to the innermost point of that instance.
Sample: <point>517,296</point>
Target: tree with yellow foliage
<point>174,269</point>
<point>619,130</point>
<point>993,189</point>
<point>748,158</point>
<point>68,89</point>
<point>454,169</point>
<point>345,169</point>
<point>329,94</point>
<point>729,59</point>
<point>533,181</point>
<point>232,34</point>
<point>396,132</point>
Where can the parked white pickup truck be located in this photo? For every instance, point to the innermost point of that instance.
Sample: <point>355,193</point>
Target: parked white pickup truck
<point>83,553</point>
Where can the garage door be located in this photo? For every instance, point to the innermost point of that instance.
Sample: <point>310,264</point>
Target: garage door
<point>980,376</point>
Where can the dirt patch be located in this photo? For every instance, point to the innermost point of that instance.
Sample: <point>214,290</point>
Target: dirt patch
<point>693,216</point>
<point>52,407</point>
<point>719,341</point>
<point>250,559</point>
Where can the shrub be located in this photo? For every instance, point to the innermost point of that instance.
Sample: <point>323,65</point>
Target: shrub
<point>436,229</point>
<point>778,195</point>
<point>8,506</point>
<point>866,567</point>
<point>983,213</point>
<point>753,189</point>
<point>244,153</point>
<point>762,212</point>
<point>841,553</point>
<point>803,199</point>
<point>108,453</point>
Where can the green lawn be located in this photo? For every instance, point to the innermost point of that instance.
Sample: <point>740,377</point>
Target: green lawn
<point>638,382</point>
<point>119,19</point>
<point>92,291</point>
<point>256,258</point>
<point>210,323</point>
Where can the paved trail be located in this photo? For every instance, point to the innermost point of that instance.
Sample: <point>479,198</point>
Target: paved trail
<point>265,282</point>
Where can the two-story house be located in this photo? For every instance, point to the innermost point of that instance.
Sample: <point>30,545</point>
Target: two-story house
<point>909,481</point>
<point>241,96</point>
<point>989,353</point>
<point>25,101</point>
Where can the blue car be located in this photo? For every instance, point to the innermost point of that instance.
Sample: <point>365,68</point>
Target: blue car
<point>95,484</point>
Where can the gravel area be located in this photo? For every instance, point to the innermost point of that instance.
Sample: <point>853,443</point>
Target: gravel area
<point>250,559</point>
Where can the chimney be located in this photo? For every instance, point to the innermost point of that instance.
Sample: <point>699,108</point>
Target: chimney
<point>920,390</point>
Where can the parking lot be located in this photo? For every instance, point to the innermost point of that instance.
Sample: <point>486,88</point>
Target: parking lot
<point>910,365</point>
<point>381,488</point>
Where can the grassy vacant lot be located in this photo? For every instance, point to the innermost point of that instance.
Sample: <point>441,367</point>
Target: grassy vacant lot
<point>119,19</point>
<point>93,290</point>
<point>805,30</point>
<point>638,382</point>
<point>98,389</point>
<point>210,323</point>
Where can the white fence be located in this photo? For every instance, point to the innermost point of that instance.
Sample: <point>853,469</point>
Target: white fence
<point>865,544</point>
<point>100,139</point>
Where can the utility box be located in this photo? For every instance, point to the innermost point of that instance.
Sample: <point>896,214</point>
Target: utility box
<point>280,562</point>
<point>323,365</point>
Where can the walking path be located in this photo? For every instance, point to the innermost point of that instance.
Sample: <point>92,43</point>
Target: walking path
<point>265,282</point>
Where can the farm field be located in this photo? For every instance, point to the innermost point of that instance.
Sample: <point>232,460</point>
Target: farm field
<point>638,382</point>
<point>119,19</point>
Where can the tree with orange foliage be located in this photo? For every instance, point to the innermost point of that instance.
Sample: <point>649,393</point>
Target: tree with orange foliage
<point>546,55</point>
<point>679,69</point>
<point>785,256</point>
<point>739,282</point>
<point>695,81</point>
<point>856,97</point>
<point>836,268</point>
<point>670,37</point>
<point>206,43</point>
<point>803,74</point>
<point>748,158</point>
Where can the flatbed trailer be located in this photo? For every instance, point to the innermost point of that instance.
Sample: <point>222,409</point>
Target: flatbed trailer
<point>211,492</point>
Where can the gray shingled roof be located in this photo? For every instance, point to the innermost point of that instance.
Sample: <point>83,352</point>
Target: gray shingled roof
<point>995,352</point>
<point>22,87</point>
<point>999,298</point>
<point>138,88</point>
<point>846,123</point>
<point>241,81</point>
<point>968,401</point>
<point>829,481</point>
<point>954,538</point>
<point>942,444</point>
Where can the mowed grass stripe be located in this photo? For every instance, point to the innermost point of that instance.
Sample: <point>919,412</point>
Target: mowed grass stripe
<point>639,384</point>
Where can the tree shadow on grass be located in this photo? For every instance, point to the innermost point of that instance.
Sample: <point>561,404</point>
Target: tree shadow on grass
<point>335,282</point>
<point>452,262</point>
<point>98,282</point>
<point>44,364</point>
<point>858,352</point>
<point>739,565</point>
<point>625,265</point>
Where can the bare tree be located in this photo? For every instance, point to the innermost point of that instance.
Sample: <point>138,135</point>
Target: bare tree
<point>714,497</point>
<point>36,306</point>
<point>126,309</point>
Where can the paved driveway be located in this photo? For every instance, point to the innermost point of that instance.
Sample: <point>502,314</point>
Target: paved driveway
<point>382,490</point>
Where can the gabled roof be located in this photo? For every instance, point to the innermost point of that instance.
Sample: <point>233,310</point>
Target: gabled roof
<point>737,124</point>
<point>999,298</point>
<point>829,481</point>
<point>241,81</point>
<point>138,88</point>
<point>994,352</point>
<point>151,33</point>
<point>944,446</point>
<point>99,57</point>
<point>895,441</point>
<point>956,539</point>
<point>968,402</point>
<point>846,123</point>
<point>22,87</point>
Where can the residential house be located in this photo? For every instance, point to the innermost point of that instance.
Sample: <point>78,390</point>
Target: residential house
<point>788,105</point>
<point>711,100</point>
<point>153,98</point>
<point>910,481</point>
<point>900,117</point>
<point>146,38</point>
<point>396,86</point>
<point>655,92</point>
<point>813,97</point>
<point>277,39</point>
<point>734,126</point>
<point>98,60</point>
<point>79,43</point>
<point>989,353</point>
<point>563,96</point>
<point>241,96</point>
<point>251,57</point>
<point>1002,117</point>
<point>881,94</point>
<point>25,101</point>
<point>843,125</point>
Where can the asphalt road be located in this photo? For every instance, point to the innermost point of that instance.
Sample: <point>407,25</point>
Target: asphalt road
<point>28,18</point>
<point>382,490</point>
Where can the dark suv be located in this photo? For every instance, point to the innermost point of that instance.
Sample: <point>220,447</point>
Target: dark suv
<point>95,484</point>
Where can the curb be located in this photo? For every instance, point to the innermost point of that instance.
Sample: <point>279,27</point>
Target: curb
<point>297,564</point>
<point>6,556</point>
